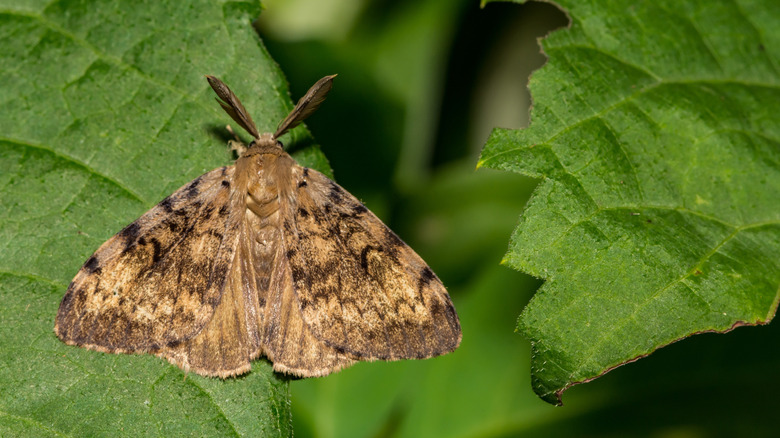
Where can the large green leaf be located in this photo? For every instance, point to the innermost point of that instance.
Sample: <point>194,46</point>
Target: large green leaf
<point>656,130</point>
<point>106,111</point>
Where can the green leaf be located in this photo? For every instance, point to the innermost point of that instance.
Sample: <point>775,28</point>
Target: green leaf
<point>656,130</point>
<point>106,111</point>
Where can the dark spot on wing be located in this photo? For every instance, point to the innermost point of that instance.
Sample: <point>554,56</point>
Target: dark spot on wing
<point>192,188</point>
<point>166,204</point>
<point>224,210</point>
<point>225,183</point>
<point>216,233</point>
<point>208,210</point>
<point>173,226</point>
<point>393,238</point>
<point>305,172</point>
<point>335,193</point>
<point>364,257</point>
<point>92,265</point>
<point>302,183</point>
<point>130,233</point>
<point>435,308</point>
<point>67,300</point>
<point>299,276</point>
<point>359,209</point>
<point>302,212</point>
<point>426,275</point>
<point>180,212</point>
<point>184,315</point>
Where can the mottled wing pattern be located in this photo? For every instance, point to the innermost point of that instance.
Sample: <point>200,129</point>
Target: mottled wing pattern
<point>360,289</point>
<point>157,282</point>
<point>231,339</point>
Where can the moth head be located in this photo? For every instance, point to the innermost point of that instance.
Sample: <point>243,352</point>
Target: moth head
<point>303,109</point>
<point>266,141</point>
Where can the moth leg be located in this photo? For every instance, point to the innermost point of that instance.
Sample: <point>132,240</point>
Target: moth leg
<point>236,145</point>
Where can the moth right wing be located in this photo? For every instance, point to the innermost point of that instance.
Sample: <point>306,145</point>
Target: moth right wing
<point>361,291</point>
<point>157,282</point>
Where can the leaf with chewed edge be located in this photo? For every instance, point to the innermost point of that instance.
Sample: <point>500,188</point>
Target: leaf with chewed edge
<point>656,132</point>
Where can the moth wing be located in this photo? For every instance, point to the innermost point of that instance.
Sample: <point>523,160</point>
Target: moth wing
<point>158,281</point>
<point>231,339</point>
<point>360,289</point>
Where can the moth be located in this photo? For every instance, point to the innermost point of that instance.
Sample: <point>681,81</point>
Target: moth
<point>261,258</point>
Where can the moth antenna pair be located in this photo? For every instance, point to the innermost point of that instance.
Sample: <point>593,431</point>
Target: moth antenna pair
<point>305,107</point>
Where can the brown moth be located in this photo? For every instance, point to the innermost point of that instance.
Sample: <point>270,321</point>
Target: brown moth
<point>263,257</point>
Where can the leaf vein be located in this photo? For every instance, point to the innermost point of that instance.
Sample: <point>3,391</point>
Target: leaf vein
<point>33,422</point>
<point>77,162</point>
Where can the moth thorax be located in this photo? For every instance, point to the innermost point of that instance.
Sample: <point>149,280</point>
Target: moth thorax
<point>266,144</point>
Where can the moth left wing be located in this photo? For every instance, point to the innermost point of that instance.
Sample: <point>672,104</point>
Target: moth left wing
<point>156,283</point>
<point>360,289</point>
